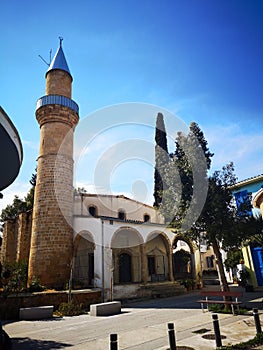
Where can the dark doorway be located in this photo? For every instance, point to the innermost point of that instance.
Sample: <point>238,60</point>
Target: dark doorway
<point>182,266</point>
<point>91,269</point>
<point>151,265</point>
<point>125,268</point>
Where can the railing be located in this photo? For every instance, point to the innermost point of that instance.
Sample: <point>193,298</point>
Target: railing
<point>57,99</point>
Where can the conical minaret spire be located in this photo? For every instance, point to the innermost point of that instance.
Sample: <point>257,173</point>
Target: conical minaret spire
<point>58,77</point>
<point>59,61</point>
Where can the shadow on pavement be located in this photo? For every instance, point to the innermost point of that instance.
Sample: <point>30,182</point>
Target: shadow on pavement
<point>189,301</point>
<point>185,301</point>
<point>53,319</point>
<point>30,344</point>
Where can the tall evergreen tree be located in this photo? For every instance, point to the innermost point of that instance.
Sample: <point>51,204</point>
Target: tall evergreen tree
<point>206,204</point>
<point>186,178</point>
<point>161,160</point>
<point>199,135</point>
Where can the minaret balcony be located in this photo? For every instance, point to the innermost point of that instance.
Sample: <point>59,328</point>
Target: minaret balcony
<point>59,100</point>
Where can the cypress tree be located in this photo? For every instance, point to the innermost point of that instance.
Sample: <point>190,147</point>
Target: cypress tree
<point>199,135</point>
<point>186,178</point>
<point>161,160</point>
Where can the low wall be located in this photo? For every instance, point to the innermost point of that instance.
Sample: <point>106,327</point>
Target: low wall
<point>147,291</point>
<point>10,305</point>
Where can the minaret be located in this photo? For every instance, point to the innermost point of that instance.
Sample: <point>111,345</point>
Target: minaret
<point>52,232</point>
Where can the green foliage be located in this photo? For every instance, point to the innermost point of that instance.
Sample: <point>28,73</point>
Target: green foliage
<point>12,210</point>
<point>223,310</point>
<point>33,179</point>
<point>35,285</point>
<point>257,340</point>
<point>19,205</point>
<point>161,160</point>
<point>186,178</point>
<point>199,135</point>
<point>244,277</point>
<point>184,255</point>
<point>188,283</point>
<point>254,231</point>
<point>14,277</point>
<point>79,190</point>
<point>70,309</point>
<point>233,258</point>
<point>219,217</point>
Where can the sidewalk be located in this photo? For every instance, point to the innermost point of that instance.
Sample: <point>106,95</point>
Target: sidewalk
<point>140,326</point>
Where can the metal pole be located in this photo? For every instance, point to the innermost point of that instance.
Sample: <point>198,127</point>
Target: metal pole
<point>257,320</point>
<point>171,336</point>
<point>113,341</point>
<point>102,260</point>
<point>217,330</point>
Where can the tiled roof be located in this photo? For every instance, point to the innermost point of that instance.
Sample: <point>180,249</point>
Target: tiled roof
<point>248,181</point>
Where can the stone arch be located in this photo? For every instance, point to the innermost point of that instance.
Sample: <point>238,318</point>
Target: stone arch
<point>183,260</point>
<point>83,260</point>
<point>125,237</point>
<point>125,242</point>
<point>157,250</point>
<point>153,234</point>
<point>184,239</point>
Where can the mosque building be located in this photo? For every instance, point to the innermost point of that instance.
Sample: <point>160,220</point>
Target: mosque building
<point>111,242</point>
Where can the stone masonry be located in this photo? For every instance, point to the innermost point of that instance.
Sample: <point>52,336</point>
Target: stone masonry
<point>16,239</point>
<point>52,232</point>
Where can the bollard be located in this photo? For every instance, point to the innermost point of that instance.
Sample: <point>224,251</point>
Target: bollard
<point>257,320</point>
<point>217,331</point>
<point>113,341</point>
<point>171,336</point>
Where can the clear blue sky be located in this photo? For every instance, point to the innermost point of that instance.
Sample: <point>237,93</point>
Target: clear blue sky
<point>200,59</point>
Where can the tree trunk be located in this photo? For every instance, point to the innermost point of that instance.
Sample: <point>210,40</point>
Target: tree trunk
<point>220,267</point>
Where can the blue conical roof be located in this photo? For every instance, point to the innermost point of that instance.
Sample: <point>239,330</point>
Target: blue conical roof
<point>59,61</point>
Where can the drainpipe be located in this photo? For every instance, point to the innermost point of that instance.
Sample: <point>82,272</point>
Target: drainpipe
<point>102,258</point>
<point>201,262</point>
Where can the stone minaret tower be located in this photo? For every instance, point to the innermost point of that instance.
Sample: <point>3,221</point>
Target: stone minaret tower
<point>52,232</point>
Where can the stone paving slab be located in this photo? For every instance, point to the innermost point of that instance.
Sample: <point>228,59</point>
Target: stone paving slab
<point>140,326</point>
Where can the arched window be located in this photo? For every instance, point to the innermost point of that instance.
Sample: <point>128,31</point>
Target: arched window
<point>146,218</point>
<point>92,211</point>
<point>122,215</point>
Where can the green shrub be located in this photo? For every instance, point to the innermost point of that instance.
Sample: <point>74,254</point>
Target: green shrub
<point>221,309</point>
<point>257,340</point>
<point>35,285</point>
<point>14,277</point>
<point>70,309</point>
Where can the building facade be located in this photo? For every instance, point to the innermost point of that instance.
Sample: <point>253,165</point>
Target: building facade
<point>103,241</point>
<point>250,191</point>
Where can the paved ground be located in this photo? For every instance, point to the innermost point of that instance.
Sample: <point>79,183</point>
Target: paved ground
<point>140,326</point>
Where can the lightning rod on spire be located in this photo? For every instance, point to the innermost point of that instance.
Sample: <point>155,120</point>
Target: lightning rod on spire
<point>60,40</point>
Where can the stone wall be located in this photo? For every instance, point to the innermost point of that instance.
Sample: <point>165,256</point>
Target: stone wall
<point>24,236</point>
<point>16,239</point>
<point>10,305</point>
<point>9,242</point>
